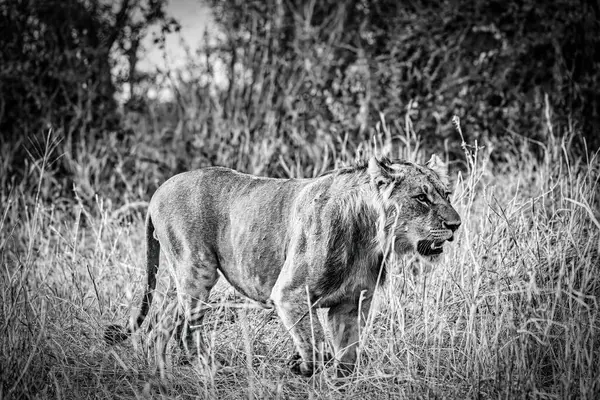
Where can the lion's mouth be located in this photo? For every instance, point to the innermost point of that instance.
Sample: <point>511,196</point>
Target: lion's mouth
<point>430,247</point>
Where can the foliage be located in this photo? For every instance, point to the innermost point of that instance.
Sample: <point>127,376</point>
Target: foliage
<point>496,64</point>
<point>293,78</point>
<point>56,61</point>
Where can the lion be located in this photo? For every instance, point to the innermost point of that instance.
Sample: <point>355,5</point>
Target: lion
<point>294,245</point>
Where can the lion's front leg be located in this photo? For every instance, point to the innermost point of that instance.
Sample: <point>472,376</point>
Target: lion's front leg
<point>346,321</point>
<point>301,322</point>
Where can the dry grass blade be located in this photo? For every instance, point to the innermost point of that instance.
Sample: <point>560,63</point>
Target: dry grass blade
<point>512,311</point>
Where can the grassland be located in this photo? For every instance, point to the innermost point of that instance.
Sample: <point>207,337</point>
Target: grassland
<point>512,311</point>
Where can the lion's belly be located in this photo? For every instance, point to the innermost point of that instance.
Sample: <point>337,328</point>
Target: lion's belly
<point>250,280</point>
<point>253,240</point>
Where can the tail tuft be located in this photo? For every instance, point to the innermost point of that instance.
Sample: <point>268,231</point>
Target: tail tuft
<point>115,334</point>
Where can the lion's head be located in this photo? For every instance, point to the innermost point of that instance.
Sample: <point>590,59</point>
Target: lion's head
<point>417,199</point>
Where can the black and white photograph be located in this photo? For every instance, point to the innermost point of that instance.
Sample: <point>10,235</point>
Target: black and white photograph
<point>299,199</point>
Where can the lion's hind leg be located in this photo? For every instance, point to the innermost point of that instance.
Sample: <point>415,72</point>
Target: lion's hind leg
<point>194,279</point>
<point>183,313</point>
<point>167,322</point>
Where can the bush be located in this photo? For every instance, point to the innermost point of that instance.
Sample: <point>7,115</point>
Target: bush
<point>498,65</point>
<point>56,70</point>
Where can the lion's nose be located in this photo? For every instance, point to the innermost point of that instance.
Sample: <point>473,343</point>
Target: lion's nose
<point>452,225</point>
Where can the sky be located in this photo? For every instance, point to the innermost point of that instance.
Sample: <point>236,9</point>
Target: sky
<point>195,17</point>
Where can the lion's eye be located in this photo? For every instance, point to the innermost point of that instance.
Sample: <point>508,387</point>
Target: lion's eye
<point>422,198</point>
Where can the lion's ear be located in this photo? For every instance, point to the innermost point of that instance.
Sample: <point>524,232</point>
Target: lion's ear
<point>439,167</point>
<point>379,172</point>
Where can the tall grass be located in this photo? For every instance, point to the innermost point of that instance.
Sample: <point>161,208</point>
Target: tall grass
<point>511,312</point>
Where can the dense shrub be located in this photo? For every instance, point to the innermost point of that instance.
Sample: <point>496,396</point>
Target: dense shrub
<point>500,65</point>
<point>56,69</point>
<point>291,79</point>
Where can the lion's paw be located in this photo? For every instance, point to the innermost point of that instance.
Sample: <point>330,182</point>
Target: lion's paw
<point>300,367</point>
<point>344,370</point>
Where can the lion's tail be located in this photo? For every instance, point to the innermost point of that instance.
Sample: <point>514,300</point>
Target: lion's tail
<point>116,333</point>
